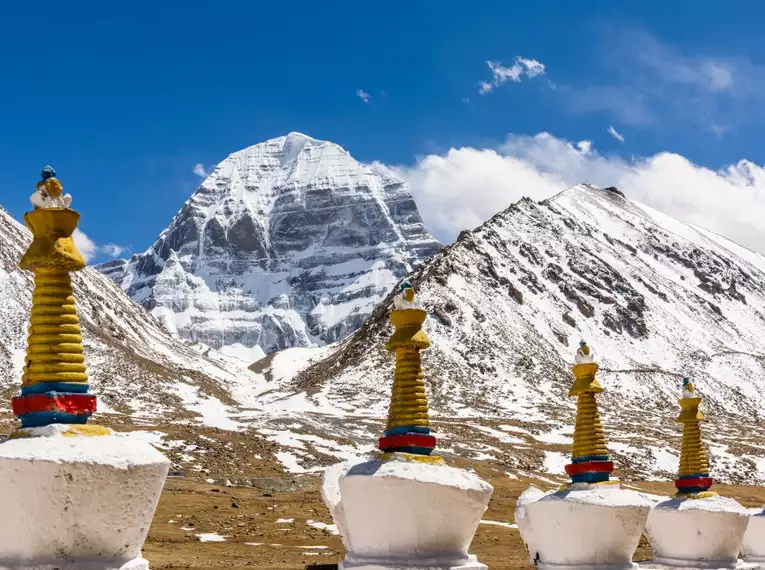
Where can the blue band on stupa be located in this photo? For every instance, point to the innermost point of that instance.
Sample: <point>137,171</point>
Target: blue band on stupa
<point>399,430</point>
<point>589,477</point>
<point>39,419</point>
<point>64,387</point>
<point>587,458</point>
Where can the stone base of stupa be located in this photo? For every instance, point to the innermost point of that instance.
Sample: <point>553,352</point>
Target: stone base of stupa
<point>77,503</point>
<point>703,533</point>
<point>584,527</point>
<point>403,514</point>
<point>754,537</point>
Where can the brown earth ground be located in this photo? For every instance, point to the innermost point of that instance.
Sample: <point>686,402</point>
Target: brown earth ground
<point>247,517</point>
<point>231,484</point>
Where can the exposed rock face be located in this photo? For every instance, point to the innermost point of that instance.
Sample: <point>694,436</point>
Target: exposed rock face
<point>287,243</point>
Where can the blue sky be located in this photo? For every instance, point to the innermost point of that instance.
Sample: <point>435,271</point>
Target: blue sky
<point>124,99</point>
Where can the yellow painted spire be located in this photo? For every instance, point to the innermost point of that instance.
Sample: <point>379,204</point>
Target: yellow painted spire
<point>590,462</point>
<point>54,351</point>
<point>408,426</point>
<point>55,380</point>
<point>693,474</point>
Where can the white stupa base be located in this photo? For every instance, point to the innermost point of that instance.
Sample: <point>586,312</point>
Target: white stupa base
<point>406,515</point>
<point>627,566</point>
<point>359,563</point>
<point>704,533</point>
<point>77,503</point>
<point>81,564</point>
<point>589,527</point>
<point>668,564</point>
<point>754,537</point>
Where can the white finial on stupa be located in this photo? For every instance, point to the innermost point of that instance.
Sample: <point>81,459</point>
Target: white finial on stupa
<point>406,298</point>
<point>584,354</point>
<point>49,192</point>
<point>688,390</point>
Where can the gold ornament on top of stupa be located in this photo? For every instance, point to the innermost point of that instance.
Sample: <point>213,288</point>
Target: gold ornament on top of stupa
<point>55,380</point>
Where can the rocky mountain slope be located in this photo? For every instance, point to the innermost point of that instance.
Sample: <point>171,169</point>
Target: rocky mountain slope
<point>139,371</point>
<point>509,302</point>
<point>287,243</point>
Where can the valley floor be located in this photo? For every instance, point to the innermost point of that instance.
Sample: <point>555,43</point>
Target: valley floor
<point>281,523</point>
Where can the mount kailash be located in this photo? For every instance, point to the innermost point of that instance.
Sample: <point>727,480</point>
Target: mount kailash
<point>287,243</point>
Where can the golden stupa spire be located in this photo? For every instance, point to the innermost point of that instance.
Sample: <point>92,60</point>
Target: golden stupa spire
<point>55,381</point>
<point>693,476</point>
<point>408,426</point>
<point>590,462</point>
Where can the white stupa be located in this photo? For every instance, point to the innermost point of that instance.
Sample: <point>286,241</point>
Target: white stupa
<point>404,509</point>
<point>696,528</point>
<point>590,523</point>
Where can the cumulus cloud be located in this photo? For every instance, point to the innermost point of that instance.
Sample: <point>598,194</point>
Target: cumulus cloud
<point>613,132</point>
<point>86,245</point>
<point>363,95</point>
<point>500,73</point>
<point>199,170</point>
<point>466,186</point>
<point>90,250</point>
<point>584,146</point>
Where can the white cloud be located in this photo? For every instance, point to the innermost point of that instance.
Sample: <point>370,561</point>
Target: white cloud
<point>464,187</point>
<point>533,67</point>
<point>501,73</point>
<point>585,147</point>
<point>199,170</point>
<point>651,81</point>
<point>113,250</point>
<point>86,245</point>
<point>363,95</point>
<point>90,250</point>
<point>613,132</point>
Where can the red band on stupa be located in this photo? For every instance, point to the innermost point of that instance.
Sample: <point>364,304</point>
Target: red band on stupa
<point>407,440</point>
<point>693,483</point>
<point>54,402</point>
<point>590,467</point>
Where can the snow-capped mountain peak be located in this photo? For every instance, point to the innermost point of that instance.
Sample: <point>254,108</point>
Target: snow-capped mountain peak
<point>290,242</point>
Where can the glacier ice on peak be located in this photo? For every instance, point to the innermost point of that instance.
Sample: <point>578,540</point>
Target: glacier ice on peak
<point>290,242</point>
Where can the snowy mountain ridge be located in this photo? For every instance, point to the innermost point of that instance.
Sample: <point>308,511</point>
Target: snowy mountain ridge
<point>509,302</point>
<point>290,242</point>
<point>137,369</point>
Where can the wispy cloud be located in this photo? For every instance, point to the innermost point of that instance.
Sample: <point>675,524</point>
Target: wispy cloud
<point>363,95</point>
<point>614,133</point>
<point>651,81</point>
<point>113,250</point>
<point>199,170</point>
<point>90,250</point>
<point>500,73</point>
<point>464,187</point>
